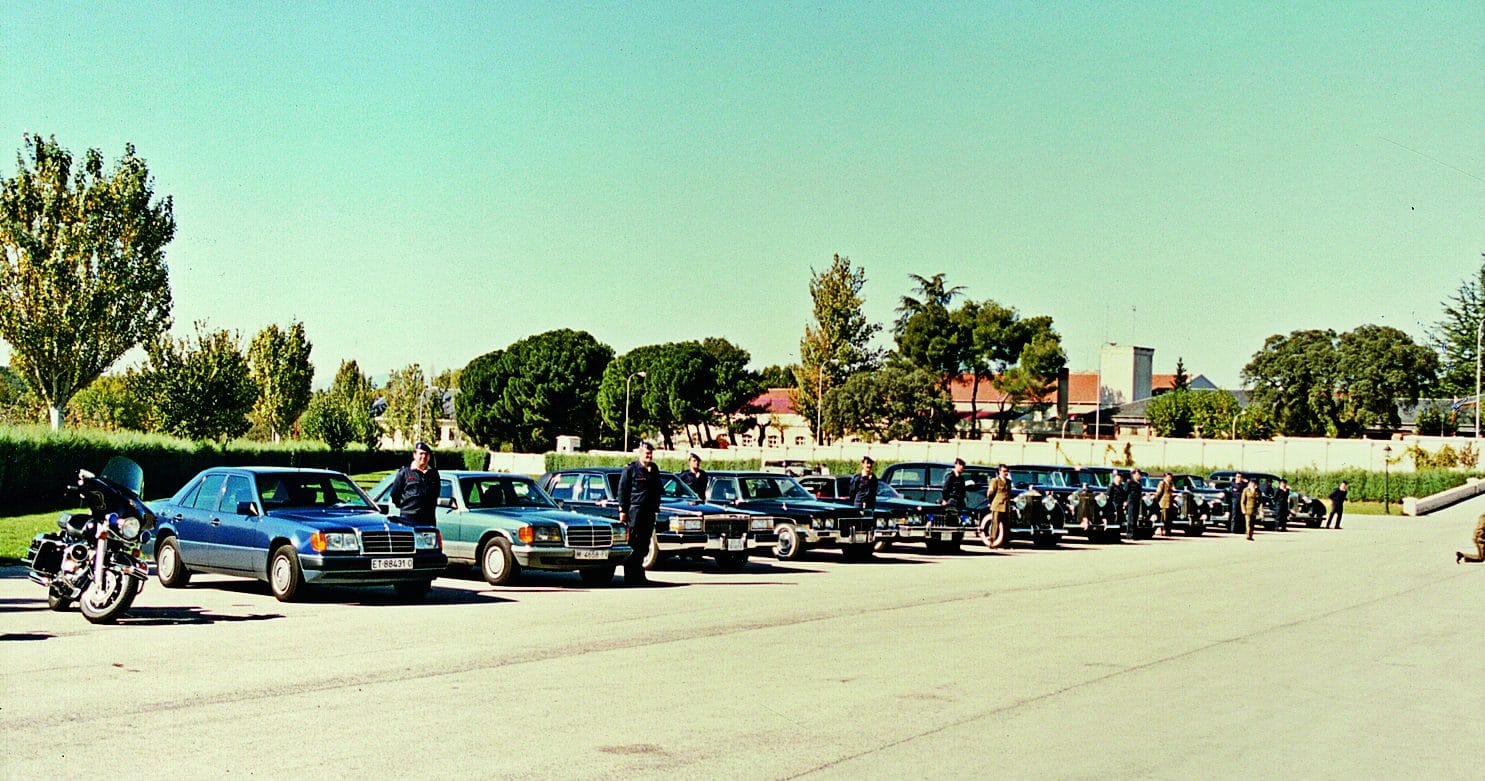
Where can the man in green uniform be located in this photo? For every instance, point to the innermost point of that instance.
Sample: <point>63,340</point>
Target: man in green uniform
<point>1479,545</point>
<point>1252,503</point>
<point>997,505</point>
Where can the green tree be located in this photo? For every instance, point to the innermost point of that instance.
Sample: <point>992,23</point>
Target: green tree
<point>198,387</point>
<point>1182,380</point>
<point>837,344</point>
<point>1379,367</point>
<point>896,402</point>
<point>279,364</point>
<point>733,385</point>
<point>110,403</point>
<point>1169,414</point>
<point>530,392</point>
<point>328,419</point>
<point>777,376</point>
<point>1294,378</point>
<point>410,412</point>
<point>934,340</point>
<point>932,292</point>
<point>1453,336</point>
<point>1213,413</point>
<point>83,276</point>
<point>353,390</point>
<point>679,389</point>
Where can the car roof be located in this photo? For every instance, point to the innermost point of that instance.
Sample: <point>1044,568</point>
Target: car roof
<point>475,473</point>
<point>274,470</point>
<point>588,470</point>
<point>754,473</point>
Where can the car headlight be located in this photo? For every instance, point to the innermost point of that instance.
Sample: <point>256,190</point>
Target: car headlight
<point>686,524</point>
<point>1049,503</point>
<point>621,533</point>
<point>128,528</point>
<point>1021,502</point>
<point>426,541</point>
<point>760,525</point>
<point>342,541</point>
<point>1102,500</point>
<point>547,534</point>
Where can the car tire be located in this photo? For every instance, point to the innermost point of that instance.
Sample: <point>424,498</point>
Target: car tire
<point>859,551</point>
<point>1196,529</point>
<point>790,544</point>
<point>285,576</point>
<point>653,556</point>
<point>1044,541</point>
<point>497,564</point>
<point>881,546</point>
<point>597,576</point>
<point>169,567</point>
<point>1000,536</point>
<point>732,561</point>
<point>413,589</point>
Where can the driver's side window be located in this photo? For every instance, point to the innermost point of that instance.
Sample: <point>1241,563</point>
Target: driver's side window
<point>723,491</point>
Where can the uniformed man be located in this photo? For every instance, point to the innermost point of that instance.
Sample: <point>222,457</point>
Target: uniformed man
<point>695,477</point>
<point>1114,509</point>
<point>415,488</point>
<point>1235,503</point>
<point>1165,499</point>
<point>639,503</point>
<point>1281,506</point>
<point>997,506</point>
<point>1337,505</point>
<point>1479,544</point>
<point>864,487</point>
<point>1251,505</point>
<point>1134,503</point>
<point>953,491</point>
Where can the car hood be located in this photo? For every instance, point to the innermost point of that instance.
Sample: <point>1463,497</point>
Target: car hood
<point>339,519</point>
<point>703,508</point>
<point>537,514</point>
<point>801,507</point>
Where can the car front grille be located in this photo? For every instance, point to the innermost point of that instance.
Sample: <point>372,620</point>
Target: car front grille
<point>387,542</point>
<point>727,527</point>
<point>590,536</point>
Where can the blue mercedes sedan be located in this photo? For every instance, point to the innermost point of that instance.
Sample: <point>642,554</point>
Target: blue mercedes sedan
<point>291,528</point>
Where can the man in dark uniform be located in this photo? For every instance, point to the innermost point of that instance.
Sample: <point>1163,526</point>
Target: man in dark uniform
<point>639,503</point>
<point>1281,506</point>
<point>953,493</point>
<point>1337,505</point>
<point>695,477</point>
<point>1134,503</point>
<point>1114,507</point>
<point>1235,503</point>
<point>1479,545</point>
<point>415,488</point>
<point>864,487</point>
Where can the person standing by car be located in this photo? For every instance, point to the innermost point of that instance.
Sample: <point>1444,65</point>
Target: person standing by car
<point>1114,507</point>
<point>639,503</point>
<point>1235,503</point>
<point>1337,505</point>
<point>415,488</point>
<point>1252,505</point>
<point>952,496</point>
<point>1165,499</point>
<point>695,477</point>
<point>864,486</point>
<point>997,504</point>
<point>1134,503</point>
<point>1479,556</point>
<point>1281,506</point>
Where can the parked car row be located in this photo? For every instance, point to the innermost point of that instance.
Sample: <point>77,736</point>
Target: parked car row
<point>299,527</point>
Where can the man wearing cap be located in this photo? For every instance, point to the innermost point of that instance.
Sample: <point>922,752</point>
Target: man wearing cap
<point>997,506</point>
<point>695,477</point>
<point>1134,503</point>
<point>415,488</point>
<point>639,503</point>
<point>1165,499</point>
<point>953,492</point>
<point>864,486</point>
<point>1281,506</point>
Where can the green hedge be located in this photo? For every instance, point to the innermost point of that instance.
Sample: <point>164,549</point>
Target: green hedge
<point>555,461</point>
<point>36,465</point>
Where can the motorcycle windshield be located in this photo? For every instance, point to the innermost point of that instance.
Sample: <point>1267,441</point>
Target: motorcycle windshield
<point>125,474</point>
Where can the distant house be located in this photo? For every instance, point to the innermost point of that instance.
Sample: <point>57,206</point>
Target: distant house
<point>449,435</point>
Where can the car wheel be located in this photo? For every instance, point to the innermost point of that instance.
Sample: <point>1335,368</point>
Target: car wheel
<point>1196,529</point>
<point>1000,536</point>
<point>732,561</point>
<point>597,576</point>
<point>881,546</point>
<point>653,556</point>
<point>497,564</point>
<point>169,567</point>
<point>413,589</point>
<point>1044,541</point>
<point>285,577</point>
<point>789,545</point>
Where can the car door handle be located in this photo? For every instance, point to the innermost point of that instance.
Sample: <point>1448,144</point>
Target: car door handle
<point>216,522</point>
<point>178,516</point>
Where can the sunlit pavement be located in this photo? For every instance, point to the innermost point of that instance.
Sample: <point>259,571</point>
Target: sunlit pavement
<point>1314,653</point>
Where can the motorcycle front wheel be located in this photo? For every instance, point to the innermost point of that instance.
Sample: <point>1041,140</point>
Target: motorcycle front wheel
<point>103,602</point>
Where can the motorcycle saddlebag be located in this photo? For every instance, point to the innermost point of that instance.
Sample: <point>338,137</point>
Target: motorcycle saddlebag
<point>45,555</point>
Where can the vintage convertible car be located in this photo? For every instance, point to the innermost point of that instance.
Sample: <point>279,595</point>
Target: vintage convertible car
<point>290,527</point>
<point>505,523</point>
<point>899,519</point>
<point>800,520</point>
<point>684,525</point>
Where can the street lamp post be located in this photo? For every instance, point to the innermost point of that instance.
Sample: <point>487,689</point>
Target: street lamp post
<point>1479,332</point>
<point>1386,480</point>
<point>626,406</point>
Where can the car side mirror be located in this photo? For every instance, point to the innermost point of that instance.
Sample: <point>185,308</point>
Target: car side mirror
<point>446,501</point>
<point>248,509</point>
<point>385,508</point>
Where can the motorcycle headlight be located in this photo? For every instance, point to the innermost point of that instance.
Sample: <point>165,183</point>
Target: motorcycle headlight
<point>759,525</point>
<point>1102,500</point>
<point>128,528</point>
<point>427,541</point>
<point>621,533</point>
<point>1049,503</point>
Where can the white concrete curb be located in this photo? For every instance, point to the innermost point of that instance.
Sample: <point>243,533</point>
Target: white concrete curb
<point>1472,487</point>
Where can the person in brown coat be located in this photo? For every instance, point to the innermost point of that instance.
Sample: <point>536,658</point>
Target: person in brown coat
<point>1252,503</point>
<point>997,505</point>
<point>1479,545</point>
<point>1165,499</point>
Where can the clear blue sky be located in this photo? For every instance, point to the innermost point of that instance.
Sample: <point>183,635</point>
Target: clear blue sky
<point>427,182</point>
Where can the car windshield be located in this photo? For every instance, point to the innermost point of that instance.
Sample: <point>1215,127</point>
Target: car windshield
<point>1088,477</point>
<point>886,491</point>
<point>1032,476</point>
<point>497,491</point>
<point>773,488</point>
<point>299,490</point>
<point>1192,481</point>
<point>673,490</point>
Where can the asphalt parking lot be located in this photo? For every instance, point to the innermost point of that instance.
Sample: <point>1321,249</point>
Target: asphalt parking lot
<point>1308,654</point>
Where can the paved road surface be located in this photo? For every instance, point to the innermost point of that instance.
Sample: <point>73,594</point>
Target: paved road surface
<point>1316,654</point>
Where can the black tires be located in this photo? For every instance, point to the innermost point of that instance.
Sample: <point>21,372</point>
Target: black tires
<point>169,567</point>
<point>497,564</point>
<point>790,543</point>
<point>653,556</point>
<point>1044,540</point>
<point>858,551</point>
<point>55,601</point>
<point>732,561</point>
<point>106,600</point>
<point>597,576</point>
<point>285,575</point>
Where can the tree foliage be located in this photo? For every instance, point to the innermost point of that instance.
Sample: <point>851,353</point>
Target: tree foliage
<point>1380,366</point>
<point>530,392</point>
<point>354,391</point>
<point>111,403</point>
<point>691,385</point>
<point>777,376</point>
<point>83,276</point>
<point>837,344</point>
<point>278,361</point>
<point>1169,414</point>
<point>328,419</point>
<point>1454,335</point>
<point>896,402</point>
<point>198,387</point>
<point>410,412</point>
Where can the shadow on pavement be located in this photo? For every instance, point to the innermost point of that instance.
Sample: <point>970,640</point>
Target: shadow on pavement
<point>182,616</point>
<point>22,605</point>
<point>346,595</point>
<point>16,637</point>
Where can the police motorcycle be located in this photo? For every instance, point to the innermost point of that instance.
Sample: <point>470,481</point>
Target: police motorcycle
<point>94,557</point>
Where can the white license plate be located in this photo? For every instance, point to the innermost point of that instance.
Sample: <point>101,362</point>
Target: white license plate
<point>737,544</point>
<point>858,537</point>
<point>945,536</point>
<point>590,555</point>
<point>391,563</point>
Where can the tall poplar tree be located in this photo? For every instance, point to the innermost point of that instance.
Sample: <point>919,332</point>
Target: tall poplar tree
<point>278,361</point>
